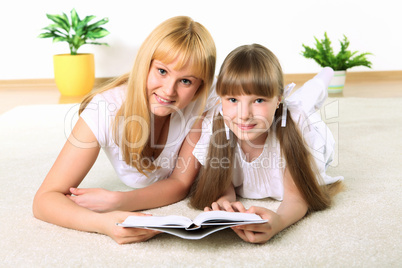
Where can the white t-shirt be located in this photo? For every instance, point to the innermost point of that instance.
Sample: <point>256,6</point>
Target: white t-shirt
<point>100,114</point>
<point>263,177</point>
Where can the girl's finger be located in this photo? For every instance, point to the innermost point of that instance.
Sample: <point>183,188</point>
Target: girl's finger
<point>259,228</point>
<point>227,206</point>
<point>215,206</point>
<point>238,206</point>
<point>250,236</point>
<point>240,233</point>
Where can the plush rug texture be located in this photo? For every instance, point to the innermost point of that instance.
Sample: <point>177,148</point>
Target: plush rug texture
<point>362,229</point>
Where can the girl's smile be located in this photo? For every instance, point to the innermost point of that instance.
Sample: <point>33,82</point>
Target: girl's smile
<point>245,127</point>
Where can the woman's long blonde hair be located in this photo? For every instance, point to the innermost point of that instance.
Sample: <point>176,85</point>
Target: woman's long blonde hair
<point>178,38</point>
<point>254,69</point>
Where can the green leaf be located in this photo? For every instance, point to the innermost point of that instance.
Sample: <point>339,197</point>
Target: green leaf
<point>97,43</point>
<point>53,29</point>
<point>46,35</point>
<point>97,33</point>
<point>75,19</point>
<point>85,21</point>
<point>59,39</point>
<point>60,21</point>
<point>97,24</point>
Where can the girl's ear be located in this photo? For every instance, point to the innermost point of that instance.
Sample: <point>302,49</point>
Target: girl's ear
<point>279,101</point>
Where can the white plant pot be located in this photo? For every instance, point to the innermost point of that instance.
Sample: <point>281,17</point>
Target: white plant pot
<point>337,82</point>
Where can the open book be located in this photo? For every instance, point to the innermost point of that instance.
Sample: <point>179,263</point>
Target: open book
<point>204,224</point>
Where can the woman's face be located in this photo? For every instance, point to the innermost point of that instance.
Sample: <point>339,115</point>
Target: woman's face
<point>249,116</point>
<point>170,90</point>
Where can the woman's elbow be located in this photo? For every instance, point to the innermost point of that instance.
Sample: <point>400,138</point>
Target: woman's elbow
<point>36,207</point>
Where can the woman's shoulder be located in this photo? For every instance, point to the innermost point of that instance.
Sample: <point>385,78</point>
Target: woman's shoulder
<point>205,126</point>
<point>112,97</point>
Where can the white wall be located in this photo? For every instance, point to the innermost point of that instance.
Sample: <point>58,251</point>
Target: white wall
<point>281,25</point>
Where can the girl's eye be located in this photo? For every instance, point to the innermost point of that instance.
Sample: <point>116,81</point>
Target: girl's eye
<point>259,100</point>
<point>162,71</point>
<point>186,81</point>
<point>232,100</point>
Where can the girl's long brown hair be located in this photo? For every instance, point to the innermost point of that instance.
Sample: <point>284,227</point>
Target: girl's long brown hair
<point>253,69</point>
<point>179,38</point>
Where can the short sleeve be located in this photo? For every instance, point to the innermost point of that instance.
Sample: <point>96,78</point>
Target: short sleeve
<point>213,98</point>
<point>92,117</point>
<point>100,114</point>
<point>200,150</point>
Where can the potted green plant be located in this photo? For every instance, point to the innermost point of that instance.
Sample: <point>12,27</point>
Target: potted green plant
<point>74,73</point>
<point>324,55</point>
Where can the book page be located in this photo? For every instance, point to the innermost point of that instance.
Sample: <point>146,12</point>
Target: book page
<point>226,218</point>
<point>171,221</point>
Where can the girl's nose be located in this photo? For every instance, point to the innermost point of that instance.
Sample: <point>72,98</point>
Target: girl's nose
<point>244,111</point>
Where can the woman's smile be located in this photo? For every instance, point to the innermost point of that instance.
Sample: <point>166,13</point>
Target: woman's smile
<point>162,100</point>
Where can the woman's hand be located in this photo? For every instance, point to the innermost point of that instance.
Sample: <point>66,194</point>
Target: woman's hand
<point>124,235</point>
<point>96,199</point>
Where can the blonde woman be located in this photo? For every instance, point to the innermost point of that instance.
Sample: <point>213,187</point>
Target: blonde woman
<point>260,142</point>
<point>140,120</point>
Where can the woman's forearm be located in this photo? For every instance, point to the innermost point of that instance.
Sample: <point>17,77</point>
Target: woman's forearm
<point>56,208</point>
<point>161,193</point>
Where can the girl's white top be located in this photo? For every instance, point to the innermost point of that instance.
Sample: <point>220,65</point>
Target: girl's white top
<point>263,177</point>
<point>100,114</point>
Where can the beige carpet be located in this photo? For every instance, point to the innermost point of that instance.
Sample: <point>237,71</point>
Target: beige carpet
<point>362,229</point>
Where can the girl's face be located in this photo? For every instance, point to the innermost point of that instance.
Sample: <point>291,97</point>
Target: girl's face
<point>168,89</point>
<point>249,116</point>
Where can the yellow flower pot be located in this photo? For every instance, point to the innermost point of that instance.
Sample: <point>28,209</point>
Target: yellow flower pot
<point>74,74</point>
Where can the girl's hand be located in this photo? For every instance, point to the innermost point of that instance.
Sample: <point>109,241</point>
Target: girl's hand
<point>253,233</point>
<point>223,204</point>
<point>124,235</point>
<point>96,199</point>
<point>260,233</point>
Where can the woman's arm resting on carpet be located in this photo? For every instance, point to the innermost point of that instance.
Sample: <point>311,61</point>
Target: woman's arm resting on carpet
<point>51,202</point>
<point>161,193</point>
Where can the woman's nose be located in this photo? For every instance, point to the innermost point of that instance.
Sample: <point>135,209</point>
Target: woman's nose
<point>169,88</point>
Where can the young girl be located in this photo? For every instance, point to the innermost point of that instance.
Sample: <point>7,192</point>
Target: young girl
<point>140,120</point>
<point>260,142</point>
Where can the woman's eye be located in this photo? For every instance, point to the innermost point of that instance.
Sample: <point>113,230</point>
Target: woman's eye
<point>186,81</point>
<point>232,100</point>
<point>161,71</point>
<point>259,100</point>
